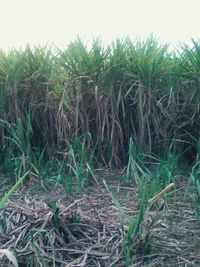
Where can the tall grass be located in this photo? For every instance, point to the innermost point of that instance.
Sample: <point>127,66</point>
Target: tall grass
<point>128,90</point>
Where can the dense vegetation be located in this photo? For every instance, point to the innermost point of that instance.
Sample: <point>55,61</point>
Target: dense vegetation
<point>132,104</point>
<point>99,98</point>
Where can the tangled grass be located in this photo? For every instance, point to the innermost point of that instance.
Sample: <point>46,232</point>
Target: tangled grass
<point>131,105</point>
<point>102,96</point>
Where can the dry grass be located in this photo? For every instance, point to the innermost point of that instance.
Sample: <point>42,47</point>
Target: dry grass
<point>106,96</point>
<point>90,232</point>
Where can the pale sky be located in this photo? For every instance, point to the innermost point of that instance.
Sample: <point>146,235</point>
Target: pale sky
<point>60,21</point>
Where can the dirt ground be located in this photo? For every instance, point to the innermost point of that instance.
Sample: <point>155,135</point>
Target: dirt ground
<point>90,231</point>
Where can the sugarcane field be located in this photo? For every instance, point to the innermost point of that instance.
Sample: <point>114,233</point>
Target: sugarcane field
<point>100,155</point>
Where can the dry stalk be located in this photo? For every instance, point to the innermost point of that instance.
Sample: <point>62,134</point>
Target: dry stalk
<point>147,221</point>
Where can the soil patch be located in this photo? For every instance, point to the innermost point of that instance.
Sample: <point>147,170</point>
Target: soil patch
<point>54,229</point>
